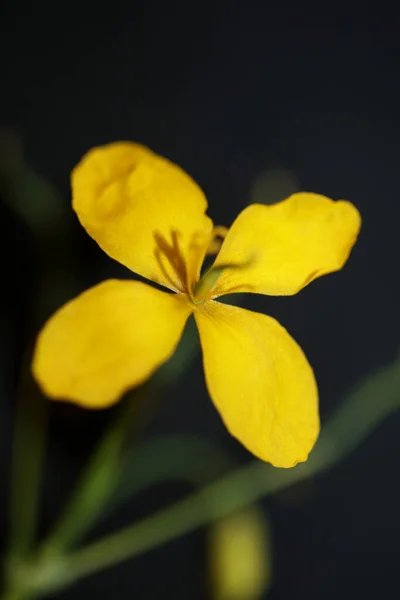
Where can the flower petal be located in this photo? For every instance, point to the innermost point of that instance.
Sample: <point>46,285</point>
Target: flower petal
<point>142,210</point>
<point>260,382</point>
<point>279,249</point>
<point>107,340</point>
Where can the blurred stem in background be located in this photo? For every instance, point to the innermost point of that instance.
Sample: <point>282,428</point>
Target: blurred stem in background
<point>27,459</point>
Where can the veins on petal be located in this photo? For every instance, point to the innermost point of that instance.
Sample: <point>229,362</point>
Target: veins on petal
<point>169,254</point>
<point>181,264</point>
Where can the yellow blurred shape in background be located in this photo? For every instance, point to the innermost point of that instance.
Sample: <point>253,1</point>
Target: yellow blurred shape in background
<point>240,556</point>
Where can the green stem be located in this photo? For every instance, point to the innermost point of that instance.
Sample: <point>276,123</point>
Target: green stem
<point>354,420</point>
<point>95,488</point>
<point>27,460</point>
<point>29,442</point>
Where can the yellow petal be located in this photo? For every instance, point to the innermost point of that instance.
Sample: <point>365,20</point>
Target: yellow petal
<point>144,211</point>
<point>260,382</point>
<point>107,340</point>
<point>279,249</point>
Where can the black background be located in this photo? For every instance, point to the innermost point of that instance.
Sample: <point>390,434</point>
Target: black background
<point>227,90</point>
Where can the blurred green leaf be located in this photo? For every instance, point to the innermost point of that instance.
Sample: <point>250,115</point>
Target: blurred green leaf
<point>186,458</point>
<point>38,203</point>
<point>36,200</point>
<point>32,196</point>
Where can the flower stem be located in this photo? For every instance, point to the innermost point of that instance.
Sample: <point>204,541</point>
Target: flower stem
<point>27,461</point>
<point>93,494</point>
<point>29,442</point>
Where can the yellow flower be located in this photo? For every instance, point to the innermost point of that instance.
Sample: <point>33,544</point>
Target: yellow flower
<point>149,215</point>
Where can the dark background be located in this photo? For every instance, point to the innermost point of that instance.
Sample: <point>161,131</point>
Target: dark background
<point>227,90</point>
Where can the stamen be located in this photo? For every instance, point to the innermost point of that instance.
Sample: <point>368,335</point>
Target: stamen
<point>217,237</point>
